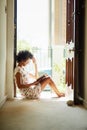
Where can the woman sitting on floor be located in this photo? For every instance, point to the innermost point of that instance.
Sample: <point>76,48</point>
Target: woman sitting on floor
<point>29,84</point>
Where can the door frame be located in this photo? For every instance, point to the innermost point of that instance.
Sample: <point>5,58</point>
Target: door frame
<point>79,51</point>
<point>76,36</point>
<point>15,38</point>
<point>75,33</point>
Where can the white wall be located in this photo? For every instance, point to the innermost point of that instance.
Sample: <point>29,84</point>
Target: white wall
<point>2,51</point>
<point>86,56</point>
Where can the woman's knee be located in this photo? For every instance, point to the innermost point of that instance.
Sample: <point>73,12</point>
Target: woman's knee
<point>48,78</point>
<point>45,80</point>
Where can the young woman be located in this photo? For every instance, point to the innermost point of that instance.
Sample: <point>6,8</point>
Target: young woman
<point>29,84</point>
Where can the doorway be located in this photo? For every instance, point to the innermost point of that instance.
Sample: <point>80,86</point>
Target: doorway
<point>41,28</point>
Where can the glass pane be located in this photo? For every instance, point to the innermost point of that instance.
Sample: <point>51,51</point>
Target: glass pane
<point>33,31</point>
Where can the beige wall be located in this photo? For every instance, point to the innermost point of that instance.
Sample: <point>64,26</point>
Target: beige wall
<point>59,22</point>
<point>86,56</point>
<point>10,48</point>
<point>6,49</point>
<point>2,51</point>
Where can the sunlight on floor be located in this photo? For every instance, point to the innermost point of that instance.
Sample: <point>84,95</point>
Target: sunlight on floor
<point>51,95</point>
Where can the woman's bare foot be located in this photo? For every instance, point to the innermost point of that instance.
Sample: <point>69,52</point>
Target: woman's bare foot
<point>61,94</point>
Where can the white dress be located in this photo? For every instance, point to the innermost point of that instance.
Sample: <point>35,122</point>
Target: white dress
<point>31,92</point>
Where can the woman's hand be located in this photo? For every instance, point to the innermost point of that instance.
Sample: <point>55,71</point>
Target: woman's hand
<point>34,60</point>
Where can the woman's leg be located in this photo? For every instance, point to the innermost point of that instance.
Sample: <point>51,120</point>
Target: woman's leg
<point>49,81</point>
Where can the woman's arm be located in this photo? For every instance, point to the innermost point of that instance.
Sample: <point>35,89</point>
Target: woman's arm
<point>20,85</point>
<point>32,76</point>
<point>35,65</point>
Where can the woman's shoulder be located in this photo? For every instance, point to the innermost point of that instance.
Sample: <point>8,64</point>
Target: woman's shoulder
<point>17,69</point>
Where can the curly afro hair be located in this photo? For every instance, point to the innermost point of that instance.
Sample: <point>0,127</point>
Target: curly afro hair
<point>24,55</point>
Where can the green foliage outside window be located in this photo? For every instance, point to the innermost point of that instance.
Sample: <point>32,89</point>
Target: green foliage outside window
<point>59,71</point>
